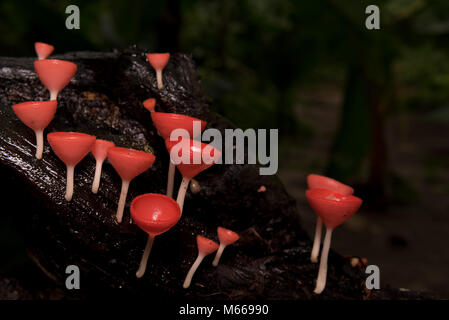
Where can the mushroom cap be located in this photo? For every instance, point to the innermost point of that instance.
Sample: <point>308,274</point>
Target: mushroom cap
<point>149,104</point>
<point>158,60</point>
<point>332,207</point>
<point>195,156</point>
<point>43,50</point>
<point>315,181</point>
<point>227,236</point>
<point>55,74</point>
<point>155,213</point>
<point>205,245</point>
<point>100,149</point>
<point>70,147</point>
<point>165,123</point>
<point>129,163</point>
<point>36,114</point>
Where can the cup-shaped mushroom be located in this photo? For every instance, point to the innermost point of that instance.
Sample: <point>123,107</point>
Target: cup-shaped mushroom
<point>165,124</point>
<point>315,181</point>
<point>100,153</point>
<point>36,115</point>
<point>128,163</point>
<point>71,148</point>
<point>54,74</point>
<point>43,50</point>
<point>150,104</point>
<point>154,214</point>
<point>226,238</point>
<point>205,247</point>
<point>334,209</point>
<point>190,157</point>
<point>158,61</point>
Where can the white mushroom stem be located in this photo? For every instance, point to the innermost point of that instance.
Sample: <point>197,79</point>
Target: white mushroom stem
<point>192,271</point>
<point>146,253</point>
<point>218,255</point>
<point>53,95</point>
<point>69,186</point>
<point>322,273</point>
<point>182,192</point>
<point>160,85</point>
<point>39,143</point>
<point>96,182</point>
<point>317,241</point>
<point>122,200</point>
<point>170,179</point>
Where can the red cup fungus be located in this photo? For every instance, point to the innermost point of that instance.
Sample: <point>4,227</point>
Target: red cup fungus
<point>43,50</point>
<point>150,104</point>
<point>36,115</point>
<point>128,163</point>
<point>333,208</point>
<point>205,247</point>
<point>205,154</point>
<point>226,238</point>
<point>158,61</point>
<point>71,148</point>
<point>54,74</point>
<point>165,123</point>
<point>154,214</point>
<point>315,181</point>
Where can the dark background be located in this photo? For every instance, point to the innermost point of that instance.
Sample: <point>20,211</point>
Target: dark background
<point>369,108</point>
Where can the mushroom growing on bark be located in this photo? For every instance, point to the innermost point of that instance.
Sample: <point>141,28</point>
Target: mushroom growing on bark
<point>158,61</point>
<point>315,181</point>
<point>128,163</point>
<point>43,50</point>
<point>54,74</point>
<point>100,153</point>
<point>194,157</point>
<point>334,209</point>
<point>226,238</point>
<point>36,115</point>
<point>165,124</point>
<point>150,104</point>
<point>71,148</point>
<point>154,214</point>
<point>205,247</point>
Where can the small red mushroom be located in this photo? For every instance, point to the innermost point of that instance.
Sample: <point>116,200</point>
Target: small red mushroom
<point>54,74</point>
<point>129,164</point>
<point>150,104</point>
<point>226,238</point>
<point>71,148</point>
<point>43,50</point>
<point>334,208</point>
<point>206,155</point>
<point>165,123</point>
<point>100,153</point>
<point>158,61</point>
<point>205,247</point>
<point>36,115</point>
<point>154,214</point>
<point>315,181</point>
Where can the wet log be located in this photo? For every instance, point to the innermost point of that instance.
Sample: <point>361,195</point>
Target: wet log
<point>271,260</point>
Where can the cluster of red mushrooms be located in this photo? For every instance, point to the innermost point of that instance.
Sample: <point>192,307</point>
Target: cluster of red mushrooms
<point>157,213</point>
<point>153,213</point>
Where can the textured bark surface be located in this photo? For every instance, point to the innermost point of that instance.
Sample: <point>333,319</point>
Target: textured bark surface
<point>271,260</point>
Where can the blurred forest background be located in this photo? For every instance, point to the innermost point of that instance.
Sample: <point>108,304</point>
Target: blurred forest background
<point>370,108</point>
